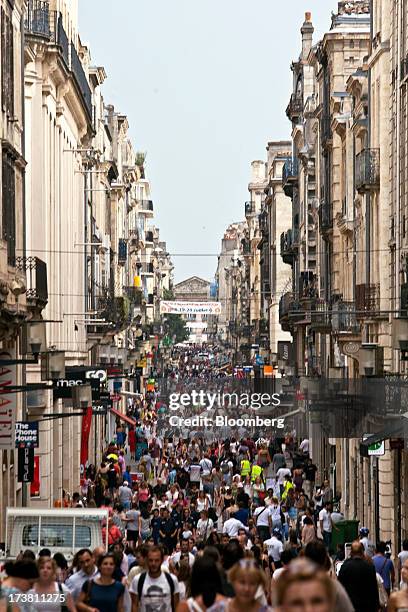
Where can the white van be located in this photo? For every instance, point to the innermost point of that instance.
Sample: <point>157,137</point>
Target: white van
<point>64,530</point>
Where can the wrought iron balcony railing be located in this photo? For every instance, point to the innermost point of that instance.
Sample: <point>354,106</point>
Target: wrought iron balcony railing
<point>367,301</point>
<point>295,107</point>
<point>37,19</point>
<point>308,285</point>
<point>320,319</point>
<point>36,278</point>
<point>344,318</point>
<point>122,251</point>
<point>146,205</point>
<point>40,21</point>
<point>290,175</point>
<point>368,170</point>
<point>285,304</point>
<point>246,247</point>
<point>289,243</point>
<point>290,169</point>
<point>325,216</point>
<point>81,80</point>
<point>249,208</point>
<point>146,268</point>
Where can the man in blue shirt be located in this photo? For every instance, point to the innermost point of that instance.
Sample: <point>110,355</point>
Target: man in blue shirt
<point>384,566</point>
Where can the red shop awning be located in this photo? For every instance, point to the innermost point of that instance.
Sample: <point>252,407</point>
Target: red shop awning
<point>122,416</point>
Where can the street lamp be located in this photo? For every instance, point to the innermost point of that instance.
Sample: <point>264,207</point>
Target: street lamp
<point>367,359</point>
<point>53,365</point>
<point>82,396</point>
<point>400,337</point>
<point>36,338</point>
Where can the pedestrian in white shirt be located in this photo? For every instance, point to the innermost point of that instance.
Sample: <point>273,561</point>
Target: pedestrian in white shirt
<point>204,525</point>
<point>274,548</point>
<point>304,446</point>
<point>232,526</point>
<point>87,571</point>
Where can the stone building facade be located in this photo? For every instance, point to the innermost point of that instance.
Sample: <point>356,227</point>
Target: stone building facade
<point>347,307</point>
<point>79,247</point>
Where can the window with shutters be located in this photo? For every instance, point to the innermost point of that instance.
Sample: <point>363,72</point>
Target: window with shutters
<point>7,63</point>
<point>9,206</point>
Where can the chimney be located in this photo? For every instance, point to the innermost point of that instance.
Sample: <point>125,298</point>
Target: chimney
<point>307,35</point>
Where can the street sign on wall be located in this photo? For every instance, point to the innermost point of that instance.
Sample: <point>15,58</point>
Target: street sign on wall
<point>26,434</point>
<point>25,465</point>
<point>8,401</point>
<point>377,449</point>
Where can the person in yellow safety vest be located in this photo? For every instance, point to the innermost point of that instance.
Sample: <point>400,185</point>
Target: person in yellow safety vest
<point>245,467</point>
<point>257,470</point>
<point>288,485</point>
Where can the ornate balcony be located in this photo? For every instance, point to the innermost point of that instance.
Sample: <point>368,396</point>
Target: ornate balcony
<point>122,251</point>
<point>81,81</point>
<point>41,22</point>
<point>295,107</point>
<point>246,247</point>
<point>290,175</point>
<point>36,279</point>
<point>249,208</point>
<point>325,216</point>
<point>367,301</point>
<point>320,319</point>
<point>344,320</point>
<point>308,285</point>
<point>37,19</point>
<point>368,170</point>
<point>146,268</point>
<point>146,207</point>
<point>289,242</point>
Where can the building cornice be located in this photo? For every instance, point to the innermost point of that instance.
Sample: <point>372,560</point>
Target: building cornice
<point>383,47</point>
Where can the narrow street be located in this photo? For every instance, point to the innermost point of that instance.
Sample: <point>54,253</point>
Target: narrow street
<point>203,306</point>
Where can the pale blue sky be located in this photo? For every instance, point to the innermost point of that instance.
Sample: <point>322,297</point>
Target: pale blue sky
<point>205,85</point>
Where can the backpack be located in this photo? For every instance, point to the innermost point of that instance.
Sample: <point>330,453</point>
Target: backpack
<point>169,579</point>
<point>64,608</point>
<point>225,468</point>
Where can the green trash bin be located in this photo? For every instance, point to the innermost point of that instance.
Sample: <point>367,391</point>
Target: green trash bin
<point>338,535</point>
<point>351,530</point>
<point>346,531</point>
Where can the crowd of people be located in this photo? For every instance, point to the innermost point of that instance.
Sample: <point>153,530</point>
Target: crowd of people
<point>200,524</point>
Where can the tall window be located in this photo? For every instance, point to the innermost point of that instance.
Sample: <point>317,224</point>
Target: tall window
<point>9,206</point>
<point>7,64</point>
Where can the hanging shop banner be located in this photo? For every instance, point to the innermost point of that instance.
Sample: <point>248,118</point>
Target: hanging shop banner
<point>27,434</point>
<point>103,405</point>
<point>77,376</point>
<point>8,401</point>
<point>86,428</point>
<point>209,308</point>
<point>35,483</point>
<point>25,465</point>
<point>285,349</point>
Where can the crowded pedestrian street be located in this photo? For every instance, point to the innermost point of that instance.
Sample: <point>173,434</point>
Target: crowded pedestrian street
<point>203,306</point>
<point>197,522</point>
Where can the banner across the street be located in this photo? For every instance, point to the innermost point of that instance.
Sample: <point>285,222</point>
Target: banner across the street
<point>211,308</point>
